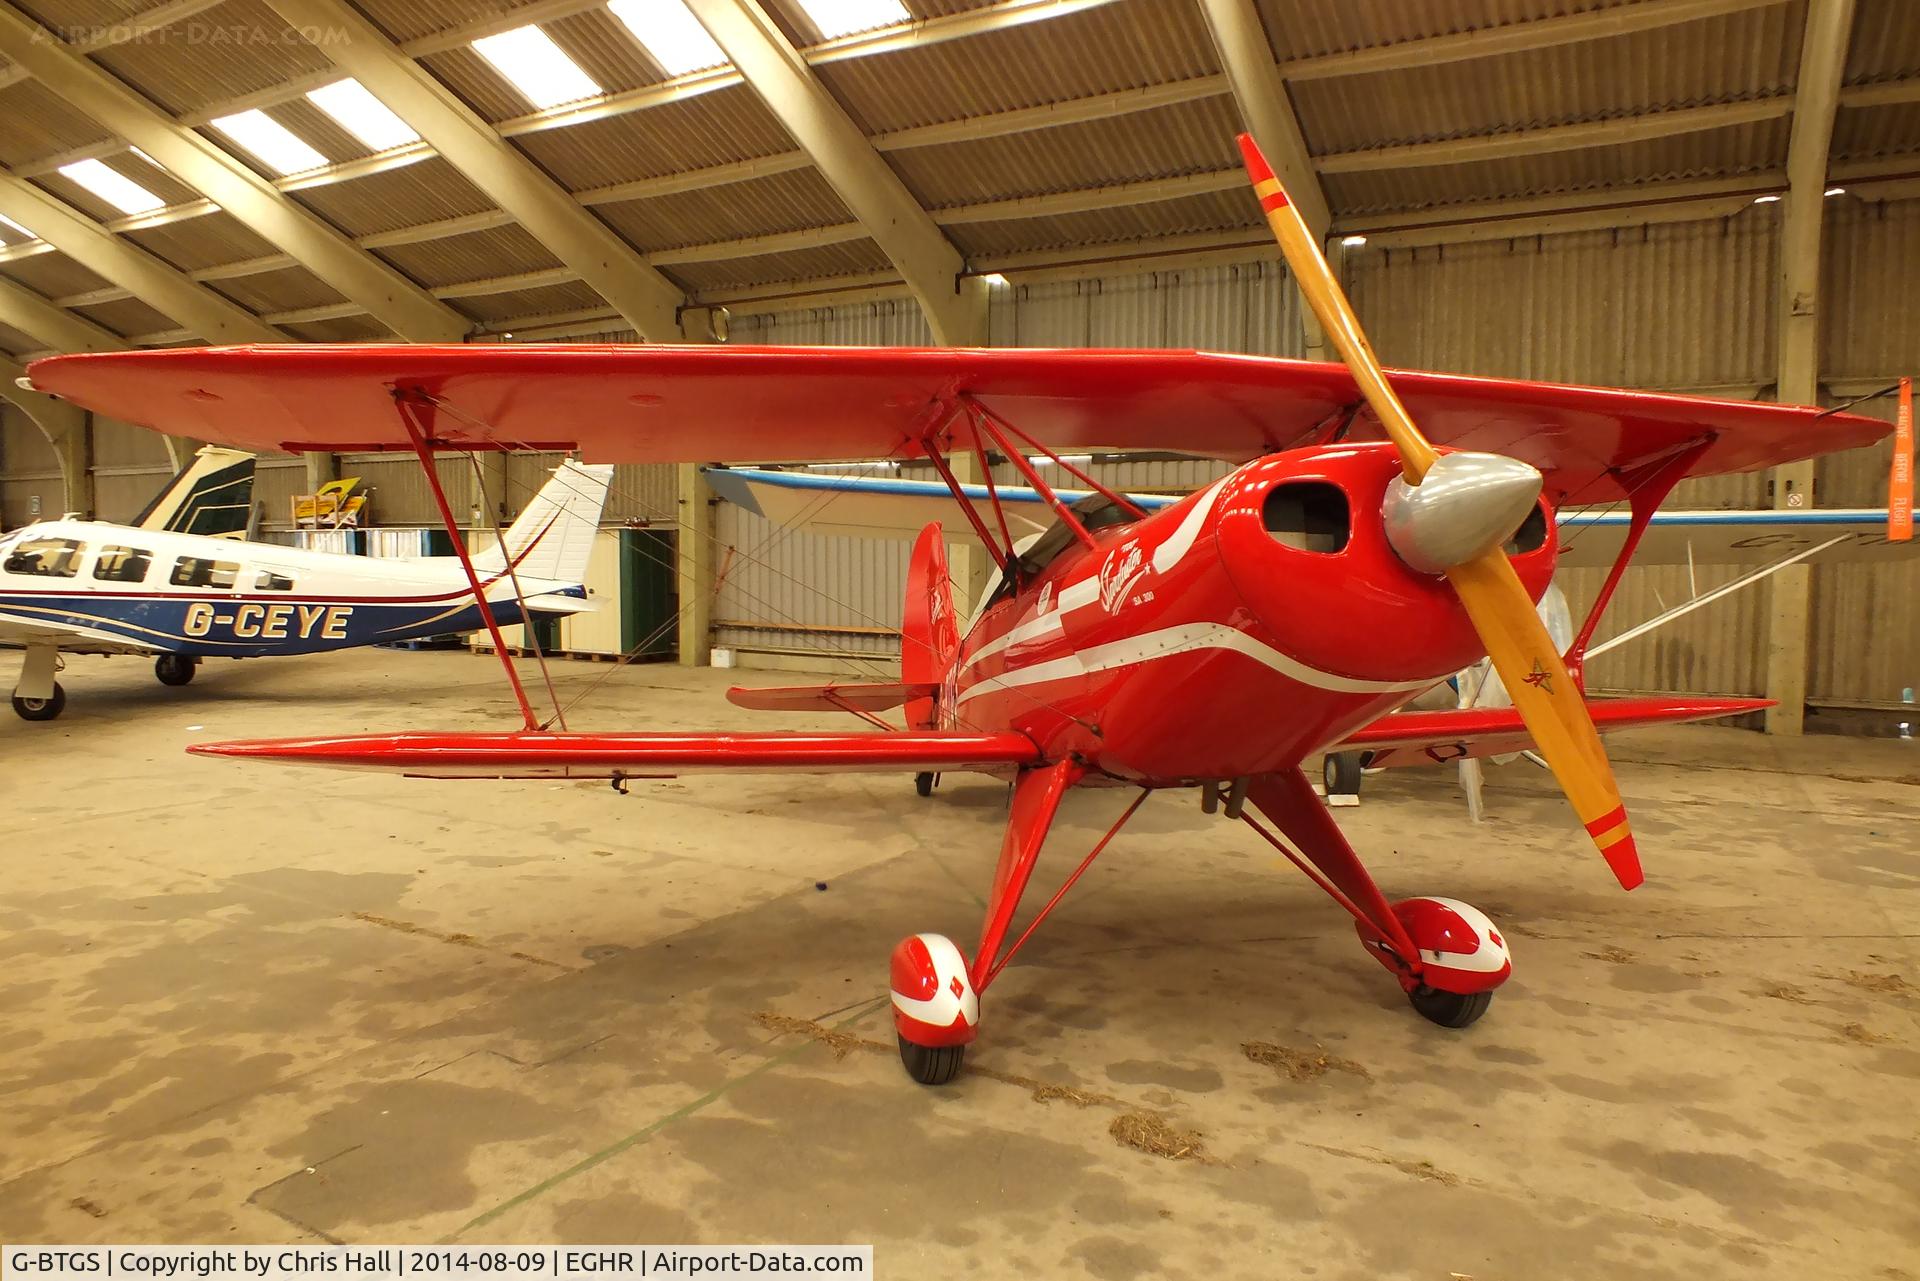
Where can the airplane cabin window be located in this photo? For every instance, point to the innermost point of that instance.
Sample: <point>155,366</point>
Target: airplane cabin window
<point>46,558</point>
<point>196,571</point>
<point>268,581</point>
<point>122,564</point>
<point>1308,514</point>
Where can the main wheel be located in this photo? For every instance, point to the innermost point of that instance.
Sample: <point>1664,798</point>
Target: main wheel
<point>923,784</point>
<point>931,1064</point>
<point>1449,1009</point>
<point>1341,771</point>
<point>174,669</point>
<point>41,709</point>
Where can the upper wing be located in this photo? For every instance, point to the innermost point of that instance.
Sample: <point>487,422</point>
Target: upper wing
<point>1427,738</point>
<point>534,755</point>
<point>745,404</point>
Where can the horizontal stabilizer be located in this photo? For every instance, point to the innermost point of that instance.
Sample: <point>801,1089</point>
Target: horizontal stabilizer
<point>1430,738</point>
<point>829,698</point>
<point>552,603</point>
<point>537,755</point>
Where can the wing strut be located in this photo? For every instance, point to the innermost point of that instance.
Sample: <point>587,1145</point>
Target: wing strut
<point>1647,488</point>
<point>415,411</point>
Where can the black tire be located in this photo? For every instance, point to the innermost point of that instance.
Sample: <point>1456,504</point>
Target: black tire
<point>923,784</point>
<point>931,1064</point>
<point>41,709</point>
<point>1341,772</point>
<point>174,669</point>
<point>1449,1009</point>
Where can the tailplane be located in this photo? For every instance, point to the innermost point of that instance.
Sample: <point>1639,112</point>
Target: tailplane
<point>929,630</point>
<point>212,495</point>
<point>553,538</point>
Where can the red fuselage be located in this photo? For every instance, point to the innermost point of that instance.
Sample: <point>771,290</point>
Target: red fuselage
<point>1231,634</point>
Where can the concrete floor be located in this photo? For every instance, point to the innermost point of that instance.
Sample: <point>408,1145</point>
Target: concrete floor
<point>258,1004</point>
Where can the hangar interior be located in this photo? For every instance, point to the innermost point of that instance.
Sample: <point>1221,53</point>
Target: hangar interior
<point>303,1039</point>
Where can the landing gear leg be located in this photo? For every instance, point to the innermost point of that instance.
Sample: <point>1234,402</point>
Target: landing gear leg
<point>1447,955</point>
<point>175,669</point>
<point>936,991</point>
<point>38,696</point>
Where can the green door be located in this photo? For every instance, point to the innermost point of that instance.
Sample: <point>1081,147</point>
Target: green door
<point>649,594</point>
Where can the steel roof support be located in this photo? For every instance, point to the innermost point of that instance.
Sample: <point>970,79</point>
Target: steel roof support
<point>401,305</point>
<point>646,299</point>
<point>955,306</point>
<point>1823,56</point>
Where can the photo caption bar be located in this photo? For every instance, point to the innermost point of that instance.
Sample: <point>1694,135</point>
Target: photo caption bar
<point>390,1262</point>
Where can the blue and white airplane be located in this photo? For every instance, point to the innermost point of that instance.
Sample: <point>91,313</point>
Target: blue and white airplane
<point>73,586</point>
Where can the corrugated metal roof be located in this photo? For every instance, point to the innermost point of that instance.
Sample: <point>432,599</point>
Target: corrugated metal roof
<point>419,193</point>
<point>1113,47</point>
<point>1726,59</point>
<point>209,241</point>
<point>235,48</point>
<point>605,50</point>
<point>128,316</point>
<point>1886,41</point>
<point>13,342</point>
<point>165,188</point>
<point>283,290</point>
<point>1215,211</point>
<point>572,296</point>
<point>1861,133</point>
<point>851,258</point>
<point>1740,149</point>
<point>1193,137</point>
<point>792,19</point>
<point>1306,28</point>
<point>722,127</point>
<point>342,329</point>
<point>791,201</point>
<point>52,275</point>
<point>410,19</point>
<point>38,123</point>
<point>478,255</point>
<point>474,80</point>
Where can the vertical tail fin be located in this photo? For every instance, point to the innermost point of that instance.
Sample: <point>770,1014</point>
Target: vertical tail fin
<point>212,494</point>
<point>553,537</point>
<point>929,630</point>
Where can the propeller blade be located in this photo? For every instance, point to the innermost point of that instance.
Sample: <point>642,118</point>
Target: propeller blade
<point>1551,705</point>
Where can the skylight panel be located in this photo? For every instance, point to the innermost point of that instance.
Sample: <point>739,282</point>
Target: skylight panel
<point>271,142</point>
<point>118,190</point>
<point>537,67</point>
<point>355,109</point>
<point>669,32</point>
<point>11,225</point>
<point>844,17</point>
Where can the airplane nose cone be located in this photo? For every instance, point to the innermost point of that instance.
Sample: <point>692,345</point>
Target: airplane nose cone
<point>1467,504</point>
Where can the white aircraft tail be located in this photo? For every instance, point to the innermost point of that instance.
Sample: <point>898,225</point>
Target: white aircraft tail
<point>553,537</point>
<point>212,495</point>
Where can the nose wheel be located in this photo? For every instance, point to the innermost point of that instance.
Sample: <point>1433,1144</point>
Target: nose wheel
<point>40,709</point>
<point>931,1064</point>
<point>1449,1009</point>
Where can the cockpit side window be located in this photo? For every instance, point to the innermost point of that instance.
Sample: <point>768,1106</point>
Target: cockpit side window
<point>46,558</point>
<point>1308,514</point>
<point>268,580</point>
<point>197,571</point>
<point>122,564</point>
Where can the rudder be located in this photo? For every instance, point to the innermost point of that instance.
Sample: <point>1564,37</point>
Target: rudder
<point>929,630</point>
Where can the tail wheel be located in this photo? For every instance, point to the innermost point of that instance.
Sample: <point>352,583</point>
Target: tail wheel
<point>923,783</point>
<point>174,669</point>
<point>931,1064</point>
<point>1449,1009</point>
<point>41,709</point>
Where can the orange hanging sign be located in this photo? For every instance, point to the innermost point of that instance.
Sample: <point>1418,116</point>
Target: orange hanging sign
<point>1900,478</point>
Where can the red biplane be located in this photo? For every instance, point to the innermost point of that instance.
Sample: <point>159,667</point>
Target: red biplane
<point>1350,562</point>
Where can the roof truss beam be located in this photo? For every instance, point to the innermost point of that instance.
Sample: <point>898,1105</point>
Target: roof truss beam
<point>648,300</point>
<point>129,267</point>
<point>400,304</point>
<point>911,239</point>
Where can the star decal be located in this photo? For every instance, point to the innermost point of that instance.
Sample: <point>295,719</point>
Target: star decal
<point>1540,677</point>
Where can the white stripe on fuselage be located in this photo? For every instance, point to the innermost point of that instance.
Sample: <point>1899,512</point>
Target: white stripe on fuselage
<point>1087,590</point>
<point>1184,639</point>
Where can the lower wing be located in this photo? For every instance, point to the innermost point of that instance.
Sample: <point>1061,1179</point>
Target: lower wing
<point>620,756</point>
<point>1431,738</point>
